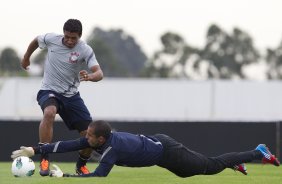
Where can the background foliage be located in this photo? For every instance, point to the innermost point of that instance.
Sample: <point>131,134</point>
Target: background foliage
<point>224,56</point>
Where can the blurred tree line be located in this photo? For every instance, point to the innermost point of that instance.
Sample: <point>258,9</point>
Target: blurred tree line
<point>224,56</point>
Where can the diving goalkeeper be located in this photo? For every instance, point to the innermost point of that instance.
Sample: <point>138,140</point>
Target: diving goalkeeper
<point>125,149</point>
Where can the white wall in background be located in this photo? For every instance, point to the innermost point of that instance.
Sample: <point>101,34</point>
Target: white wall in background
<point>155,99</point>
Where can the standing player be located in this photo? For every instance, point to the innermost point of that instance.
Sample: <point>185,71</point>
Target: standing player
<point>125,149</point>
<point>63,72</point>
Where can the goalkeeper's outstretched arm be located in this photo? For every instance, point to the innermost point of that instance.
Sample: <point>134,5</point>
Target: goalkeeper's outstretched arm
<point>57,147</point>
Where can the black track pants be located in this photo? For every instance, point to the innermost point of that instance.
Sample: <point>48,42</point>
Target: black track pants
<point>184,162</point>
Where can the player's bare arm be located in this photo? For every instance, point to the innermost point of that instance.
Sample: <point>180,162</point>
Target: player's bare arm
<point>31,48</point>
<point>95,76</point>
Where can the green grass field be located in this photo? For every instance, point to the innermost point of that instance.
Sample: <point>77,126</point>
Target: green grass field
<point>258,174</point>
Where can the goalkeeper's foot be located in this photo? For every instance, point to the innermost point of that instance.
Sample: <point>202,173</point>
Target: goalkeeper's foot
<point>241,168</point>
<point>267,156</point>
<point>44,168</point>
<point>82,170</point>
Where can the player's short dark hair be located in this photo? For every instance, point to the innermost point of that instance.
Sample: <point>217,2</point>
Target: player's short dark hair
<point>73,26</point>
<point>101,128</point>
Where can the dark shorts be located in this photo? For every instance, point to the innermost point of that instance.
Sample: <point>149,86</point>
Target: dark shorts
<point>71,109</point>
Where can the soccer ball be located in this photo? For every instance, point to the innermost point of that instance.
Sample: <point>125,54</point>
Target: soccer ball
<point>23,166</point>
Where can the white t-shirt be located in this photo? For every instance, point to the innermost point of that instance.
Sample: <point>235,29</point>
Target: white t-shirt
<point>62,65</point>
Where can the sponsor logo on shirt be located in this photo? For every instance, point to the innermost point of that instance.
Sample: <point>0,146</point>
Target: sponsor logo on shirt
<point>73,57</point>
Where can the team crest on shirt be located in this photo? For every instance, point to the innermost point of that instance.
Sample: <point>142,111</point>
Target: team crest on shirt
<point>51,95</point>
<point>73,57</point>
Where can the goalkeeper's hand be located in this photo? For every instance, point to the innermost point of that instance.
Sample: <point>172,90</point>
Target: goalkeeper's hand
<point>56,172</point>
<point>23,151</point>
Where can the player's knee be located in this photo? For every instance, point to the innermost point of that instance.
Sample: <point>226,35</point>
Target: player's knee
<point>50,112</point>
<point>184,174</point>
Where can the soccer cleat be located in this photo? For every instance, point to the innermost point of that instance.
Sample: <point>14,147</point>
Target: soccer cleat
<point>44,168</point>
<point>82,170</point>
<point>241,168</point>
<point>267,156</point>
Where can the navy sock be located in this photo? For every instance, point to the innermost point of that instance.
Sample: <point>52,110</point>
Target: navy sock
<point>81,161</point>
<point>45,155</point>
